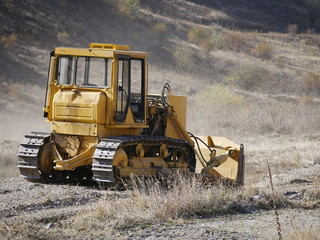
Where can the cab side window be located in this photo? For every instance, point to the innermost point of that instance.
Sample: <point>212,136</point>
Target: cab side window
<point>137,89</point>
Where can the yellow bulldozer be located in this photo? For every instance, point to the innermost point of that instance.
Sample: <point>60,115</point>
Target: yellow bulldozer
<point>105,126</point>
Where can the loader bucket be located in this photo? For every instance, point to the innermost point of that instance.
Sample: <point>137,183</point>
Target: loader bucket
<point>226,161</point>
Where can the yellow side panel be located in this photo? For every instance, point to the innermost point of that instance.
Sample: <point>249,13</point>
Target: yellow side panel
<point>72,128</point>
<point>84,107</point>
<point>179,104</point>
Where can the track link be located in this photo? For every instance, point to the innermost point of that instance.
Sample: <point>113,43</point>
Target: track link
<point>102,160</point>
<point>103,171</point>
<point>28,155</point>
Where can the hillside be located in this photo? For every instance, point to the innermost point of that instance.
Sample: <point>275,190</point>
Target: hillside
<point>250,70</point>
<point>249,48</point>
<point>32,28</point>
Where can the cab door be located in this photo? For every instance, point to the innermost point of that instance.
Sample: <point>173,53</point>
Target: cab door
<point>130,88</point>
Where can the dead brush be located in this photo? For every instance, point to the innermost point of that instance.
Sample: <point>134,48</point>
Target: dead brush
<point>170,197</point>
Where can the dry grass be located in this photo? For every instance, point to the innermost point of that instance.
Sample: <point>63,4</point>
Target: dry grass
<point>150,202</point>
<point>309,233</point>
<point>311,83</point>
<point>254,114</point>
<point>250,77</point>
<point>8,159</point>
<point>183,58</point>
<point>236,41</point>
<point>263,51</point>
<point>217,93</point>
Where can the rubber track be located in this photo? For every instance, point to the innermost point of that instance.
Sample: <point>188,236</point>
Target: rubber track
<point>103,156</point>
<point>28,154</point>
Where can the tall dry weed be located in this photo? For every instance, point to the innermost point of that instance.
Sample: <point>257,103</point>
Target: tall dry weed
<point>180,197</point>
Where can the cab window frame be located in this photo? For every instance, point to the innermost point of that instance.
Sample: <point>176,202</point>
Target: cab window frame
<point>72,78</point>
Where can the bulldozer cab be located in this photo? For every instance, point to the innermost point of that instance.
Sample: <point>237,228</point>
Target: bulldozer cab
<point>98,88</point>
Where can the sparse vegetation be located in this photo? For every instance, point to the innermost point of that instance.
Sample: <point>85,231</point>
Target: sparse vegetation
<point>249,77</point>
<point>217,94</point>
<point>9,40</point>
<point>183,57</point>
<point>263,51</point>
<point>311,83</point>
<point>186,197</point>
<point>197,34</point>
<point>235,41</point>
<point>129,7</point>
<point>292,29</point>
<point>63,36</point>
<point>160,29</point>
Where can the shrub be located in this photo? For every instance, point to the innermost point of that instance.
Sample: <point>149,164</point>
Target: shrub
<point>280,61</point>
<point>183,57</point>
<point>63,36</point>
<point>9,40</point>
<point>263,51</point>
<point>292,29</point>
<point>217,37</point>
<point>311,83</point>
<point>235,41</point>
<point>249,77</point>
<point>207,45</point>
<point>129,7</point>
<point>197,34</point>
<point>160,29</point>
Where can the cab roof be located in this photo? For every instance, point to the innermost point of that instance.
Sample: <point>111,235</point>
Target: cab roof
<point>99,50</point>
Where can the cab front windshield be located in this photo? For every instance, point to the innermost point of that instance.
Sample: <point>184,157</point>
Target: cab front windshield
<point>84,71</point>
